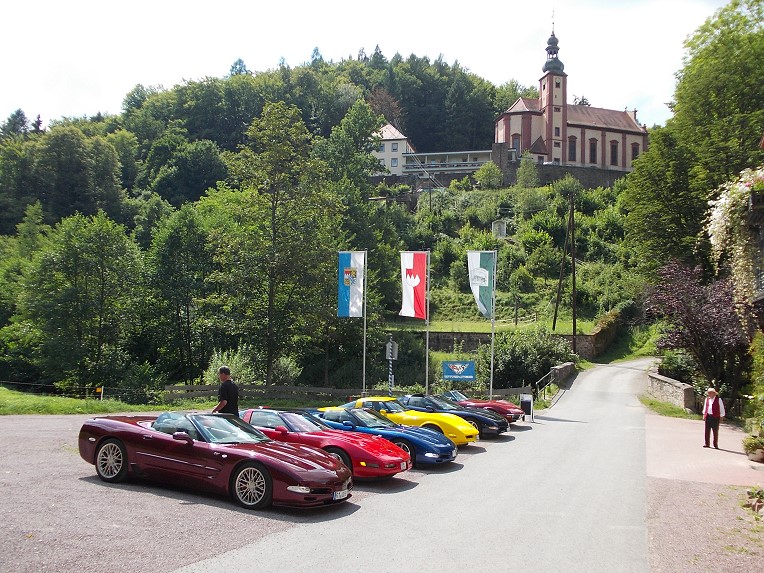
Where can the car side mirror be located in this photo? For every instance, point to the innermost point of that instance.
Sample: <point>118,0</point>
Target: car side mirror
<point>182,437</point>
<point>383,411</point>
<point>281,429</point>
<point>348,424</point>
<point>430,409</point>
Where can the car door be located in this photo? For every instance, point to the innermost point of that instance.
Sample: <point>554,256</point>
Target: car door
<point>164,457</point>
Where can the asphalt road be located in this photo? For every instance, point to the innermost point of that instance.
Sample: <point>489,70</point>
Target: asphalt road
<point>565,493</point>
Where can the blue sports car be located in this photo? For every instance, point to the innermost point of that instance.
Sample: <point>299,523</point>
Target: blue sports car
<point>423,445</point>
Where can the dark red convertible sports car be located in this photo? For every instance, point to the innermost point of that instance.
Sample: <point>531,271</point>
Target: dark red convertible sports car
<point>366,455</point>
<point>510,411</point>
<point>214,452</point>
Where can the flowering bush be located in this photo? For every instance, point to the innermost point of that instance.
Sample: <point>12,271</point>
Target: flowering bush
<point>731,238</point>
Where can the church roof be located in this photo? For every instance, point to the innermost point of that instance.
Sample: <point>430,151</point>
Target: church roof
<point>524,104</point>
<point>389,132</point>
<point>587,116</point>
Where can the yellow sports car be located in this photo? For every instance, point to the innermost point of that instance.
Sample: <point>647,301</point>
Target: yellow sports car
<point>457,429</point>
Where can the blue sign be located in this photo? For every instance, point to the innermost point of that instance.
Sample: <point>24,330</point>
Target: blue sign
<point>459,370</point>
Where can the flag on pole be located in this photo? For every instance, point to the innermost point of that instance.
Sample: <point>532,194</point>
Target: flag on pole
<point>481,266</point>
<point>414,279</point>
<point>350,273</point>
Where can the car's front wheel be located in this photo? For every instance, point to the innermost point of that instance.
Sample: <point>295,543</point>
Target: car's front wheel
<point>341,456</point>
<point>478,426</point>
<point>111,461</point>
<point>252,486</point>
<point>406,447</point>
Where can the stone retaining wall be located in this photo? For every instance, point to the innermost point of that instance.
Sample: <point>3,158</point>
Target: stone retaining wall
<point>671,391</point>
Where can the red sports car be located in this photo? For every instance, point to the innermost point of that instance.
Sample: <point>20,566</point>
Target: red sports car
<point>214,452</point>
<point>510,411</point>
<point>366,455</point>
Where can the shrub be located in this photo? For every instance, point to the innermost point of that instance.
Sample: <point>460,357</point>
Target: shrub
<point>522,357</point>
<point>678,365</point>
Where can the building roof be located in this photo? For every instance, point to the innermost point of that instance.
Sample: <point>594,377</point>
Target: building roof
<point>539,147</point>
<point>389,132</point>
<point>588,116</point>
<point>524,104</point>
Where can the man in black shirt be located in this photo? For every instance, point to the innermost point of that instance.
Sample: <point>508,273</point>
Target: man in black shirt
<point>228,394</point>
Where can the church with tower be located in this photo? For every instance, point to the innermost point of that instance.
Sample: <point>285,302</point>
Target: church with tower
<point>595,145</point>
<point>556,132</point>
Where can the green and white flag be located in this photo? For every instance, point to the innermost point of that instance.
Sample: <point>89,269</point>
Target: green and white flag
<point>482,270</point>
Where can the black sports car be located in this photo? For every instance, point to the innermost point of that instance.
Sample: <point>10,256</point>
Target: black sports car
<point>486,422</point>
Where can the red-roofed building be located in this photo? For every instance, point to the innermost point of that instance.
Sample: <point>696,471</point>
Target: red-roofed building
<point>554,131</point>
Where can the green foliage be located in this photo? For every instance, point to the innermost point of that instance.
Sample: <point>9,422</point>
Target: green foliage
<point>243,362</point>
<point>522,357</point>
<point>489,176</point>
<point>527,172</point>
<point>666,409</point>
<point>679,365</point>
<point>723,61</point>
<point>80,298</point>
<point>664,212</point>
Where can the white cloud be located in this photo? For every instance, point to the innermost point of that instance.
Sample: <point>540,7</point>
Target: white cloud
<point>79,57</point>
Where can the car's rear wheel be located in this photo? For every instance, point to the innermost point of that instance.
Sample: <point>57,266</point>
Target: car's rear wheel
<point>406,446</point>
<point>341,456</point>
<point>111,461</point>
<point>252,486</point>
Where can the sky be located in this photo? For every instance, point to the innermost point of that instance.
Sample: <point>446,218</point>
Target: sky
<point>76,58</point>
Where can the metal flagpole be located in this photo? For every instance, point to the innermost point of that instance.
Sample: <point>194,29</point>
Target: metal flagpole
<point>493,319</point>
<point>365,286</point>
<point>427,336</point>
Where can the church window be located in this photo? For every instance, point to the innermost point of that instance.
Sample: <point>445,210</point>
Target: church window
<point>592,151</point>
<point>557,144</point>
<point>557,83</point>
<point>557,108</point>
<point>572,149</point>
<point>613,153</point>
<point>634,151</point>
<point>557,132</point>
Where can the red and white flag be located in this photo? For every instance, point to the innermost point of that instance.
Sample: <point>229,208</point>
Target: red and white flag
<point>414,279</point>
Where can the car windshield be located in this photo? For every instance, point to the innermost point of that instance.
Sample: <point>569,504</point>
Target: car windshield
<point>444,403</point>
<point>458,396</point>
<point>372,419</point>
<point>391,406</point>
<point>303,422</point>
<point>227,429</point>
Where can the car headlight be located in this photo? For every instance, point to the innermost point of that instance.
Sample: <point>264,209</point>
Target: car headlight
<point>431,455</point>
<point>298,488</point>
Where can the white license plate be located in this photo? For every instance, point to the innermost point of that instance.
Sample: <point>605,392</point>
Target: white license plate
<point>404,465</point>
<point>454,453</point>
<point>342,494</point>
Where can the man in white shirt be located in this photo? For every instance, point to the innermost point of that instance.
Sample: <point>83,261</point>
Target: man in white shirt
<point>713,412</point>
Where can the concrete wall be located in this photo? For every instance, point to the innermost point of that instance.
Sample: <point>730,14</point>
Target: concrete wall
<point>671,391</point>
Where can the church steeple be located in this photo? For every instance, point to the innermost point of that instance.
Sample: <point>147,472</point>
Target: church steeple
<point>552,64</point>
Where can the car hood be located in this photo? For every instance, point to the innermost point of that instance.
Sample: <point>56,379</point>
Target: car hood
<point>415,418</point>
<point>372,444</point>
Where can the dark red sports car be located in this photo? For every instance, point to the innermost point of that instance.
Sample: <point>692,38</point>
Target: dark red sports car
<point>510,411</point>
<point>366,455</point>
<point>215,452</point>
